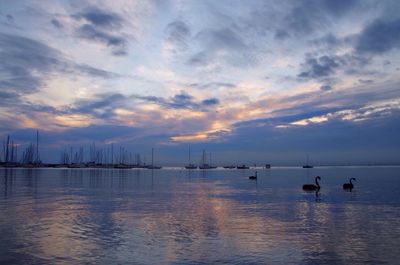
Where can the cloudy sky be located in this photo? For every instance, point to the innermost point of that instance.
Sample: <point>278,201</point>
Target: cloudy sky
<point>250,81</point>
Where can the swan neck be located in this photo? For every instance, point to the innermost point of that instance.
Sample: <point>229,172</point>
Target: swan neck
<point>316,182</point>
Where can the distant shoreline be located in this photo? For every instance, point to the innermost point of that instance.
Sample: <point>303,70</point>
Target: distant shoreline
<point>58,166</point>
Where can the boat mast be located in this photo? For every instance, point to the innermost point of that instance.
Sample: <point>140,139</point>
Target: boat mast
<point>189,155</point>
<point>37,147</point>
<point>112,154</point>
<point>152,156</point>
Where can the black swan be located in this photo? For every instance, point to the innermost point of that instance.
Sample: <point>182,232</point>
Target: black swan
<point>349,186</point>
<point>312,187</point>
<point>253,177</point>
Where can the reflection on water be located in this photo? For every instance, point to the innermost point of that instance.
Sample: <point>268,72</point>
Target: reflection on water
<point>80,216</point>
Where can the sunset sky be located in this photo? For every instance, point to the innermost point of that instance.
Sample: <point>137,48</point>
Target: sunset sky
<point>249,81</point>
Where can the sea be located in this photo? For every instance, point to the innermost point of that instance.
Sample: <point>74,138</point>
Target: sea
<point>179,216</point>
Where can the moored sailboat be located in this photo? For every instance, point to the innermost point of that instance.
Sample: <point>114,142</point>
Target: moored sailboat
<point>152,166</point>
<point>204,164</point>
<point>190,165</point>
<point>307,165</point>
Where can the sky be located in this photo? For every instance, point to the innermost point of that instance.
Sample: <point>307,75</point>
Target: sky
<point>248,81</point>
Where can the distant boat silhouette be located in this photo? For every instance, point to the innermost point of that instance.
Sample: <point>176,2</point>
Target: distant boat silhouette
<point>349,186</point>
<point>230,167</point>
<point>207,166</point>
<point>122,166</point>
<point>253,177</point>
<point>75,165</point>
<point>312,187</point>
<point>267,165</point>
<point>307,165</point>
<point>152,166</point>
<point>190,165</point>
<point>243,167</point>
<point>203,164</point>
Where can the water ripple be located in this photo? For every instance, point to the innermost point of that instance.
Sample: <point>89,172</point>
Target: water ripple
<point>220,217</point>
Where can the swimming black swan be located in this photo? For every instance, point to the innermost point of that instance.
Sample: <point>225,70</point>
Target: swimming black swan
<point>349,186</point>
<point>312,187</point>
<point>253,177</point>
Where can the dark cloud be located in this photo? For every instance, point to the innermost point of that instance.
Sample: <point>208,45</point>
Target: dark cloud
<point>8,95</point>
<point>319,67</point>
<point>100,18</point>
<point>20,57</point>
<point>199,59</point>
<point>177,33</point>
<point>281,34</point>
<point>183,101</point>
<point>29,108</point>
<point>90,33</point>
<point>101,106</point>
<point>103,27</point>
<point>286,116</point>
<point>225,38</point>
<point>302,18</point>
<point>27,64</point>
<point>223,45</point>
<point>212,85</point>
<point>342,138</point>
<point>315,104</point>
<point>325,87</point>
<point>337,133</point>
<point>150,98</point>
<point>366,81</point>
<point>95,72</point>
<point>10,18</point>
<point>99,102</point>
<point>56,23</point>
<point>210,102</point>
<point>9,99</point>
<point>308,15</point>
<point>378,37</point>
<point>329,40</point>
<point>326,66</point>
<point>336,7</point>
<point>354,99</point>
<point>178,30</point>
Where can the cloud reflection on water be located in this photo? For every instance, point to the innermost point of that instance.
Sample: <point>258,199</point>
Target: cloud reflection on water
<point>115,216</point>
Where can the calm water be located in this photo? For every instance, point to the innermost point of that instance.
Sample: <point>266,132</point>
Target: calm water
<point>87,216</point>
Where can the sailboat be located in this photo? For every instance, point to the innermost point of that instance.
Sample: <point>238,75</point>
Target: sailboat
<point>152,166</point>
<point>204,164</point>
<point>307,165</point>
<point>190,165</point>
